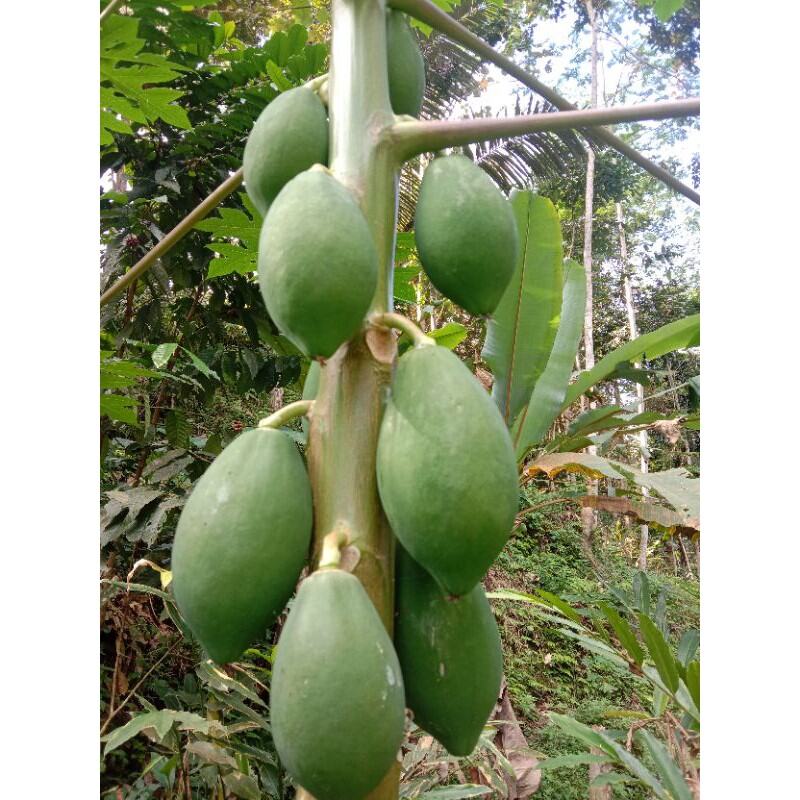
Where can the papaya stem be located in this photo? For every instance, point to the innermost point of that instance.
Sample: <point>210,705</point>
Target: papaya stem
<point>414,137</point>
<point>315,84</point>
<point>332,546</point>
<point>109,10</point>
<point>425,11</point>
<point>391,320</point>
<point>299,409</point>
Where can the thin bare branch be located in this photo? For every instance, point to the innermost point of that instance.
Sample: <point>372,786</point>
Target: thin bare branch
<point>412,138</point>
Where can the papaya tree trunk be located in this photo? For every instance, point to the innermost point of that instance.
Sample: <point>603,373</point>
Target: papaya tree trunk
<point>353,382</point>
<point>633,333</point>
<point>588,514</point>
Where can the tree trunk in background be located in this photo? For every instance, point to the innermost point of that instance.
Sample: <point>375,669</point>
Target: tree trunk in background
<point>589,515</point>
<point>697,556</point>
<point>633,332</point>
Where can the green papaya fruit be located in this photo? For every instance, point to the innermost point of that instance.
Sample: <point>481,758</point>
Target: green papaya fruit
<point>289,136</point>
<point>241,542</point>
<point>446,471</point>
<point>449,651</point>
<point>336,701</point>
<point>406,66</point>
<point>466,234</point>
<point>317,263</point>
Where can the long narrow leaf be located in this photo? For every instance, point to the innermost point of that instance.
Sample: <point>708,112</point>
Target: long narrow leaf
<point>584,733</point>
<point>673,336</point>
<point>667,769</point>
<point>572,760</point>
<point>551,387</point>
<point>659,652</point>
<point>624,632</point>
<point>520,334</point>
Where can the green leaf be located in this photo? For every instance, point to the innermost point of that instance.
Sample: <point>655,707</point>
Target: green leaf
<point>597,647</point>
<point>659,652</point>
<point>583,733</point>
<point>664,9</point>
<point>233,223</point>
<point>674,336</point>
<point>572,760</point>
<point>456,792</point>
<point>241,785</point>
<point>660,700</point>
<point>521,332</point>
<point>200,365</point>
<point>403,276</point>
<point>277,76</point>
<point>623,632</point>
<point>640,586</point>
<point>120,408</point>
<point>128,368</point>
<point>163,353</point>
<point>449,335</point>
<point>551,387</point>
<point>232,259</point>
<point>667,769</point>
<point>689,643</point>
<point>178,429</point>
<point>565,608</point>
<point>693,681</point>
<point>161,722</point>
<point>211,753</point>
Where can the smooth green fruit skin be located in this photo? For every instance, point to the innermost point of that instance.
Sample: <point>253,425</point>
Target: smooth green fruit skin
<point>241,542</point>
<point>406,66</point>
<point>337,702</point>
<point>289,136</point>
<point>466,234</point>
<point>317,263</point>
<point>450,654</point>
<point>446,471</point>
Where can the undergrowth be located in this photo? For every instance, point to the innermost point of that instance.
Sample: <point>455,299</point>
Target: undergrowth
<point>546,671</point>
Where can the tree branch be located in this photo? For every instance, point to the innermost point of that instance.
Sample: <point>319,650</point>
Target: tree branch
<point>222,191</point>
<point>425,11</point>
<point>412,138</point>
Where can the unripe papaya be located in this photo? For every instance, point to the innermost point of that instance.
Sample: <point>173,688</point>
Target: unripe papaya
<point>289,136</point>
<point>446,471</point>
<point>241,542</point>
<point>337,702</point>
<point>406,66</point>
<point>466,234</point>
<point>449,651</point>
<point>317,263</point>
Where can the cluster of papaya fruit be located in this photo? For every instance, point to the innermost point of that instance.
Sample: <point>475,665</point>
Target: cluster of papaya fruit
<point>445,469</point>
